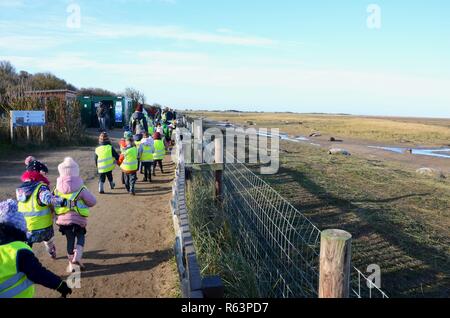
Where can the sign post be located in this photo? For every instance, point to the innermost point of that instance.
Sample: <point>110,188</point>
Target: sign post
<point>27,119</point>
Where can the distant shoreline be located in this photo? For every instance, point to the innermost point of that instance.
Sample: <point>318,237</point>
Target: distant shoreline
<point>315,114</point>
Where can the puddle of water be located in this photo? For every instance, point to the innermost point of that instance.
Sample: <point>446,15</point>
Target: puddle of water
<point>224,125</point>
<point>284,136</point>
<point>267,134</point>
<point>298,139</point>
<point>270,135</point>
<point>441,153</point>
<point>393,149</point>
<point>435,152</point>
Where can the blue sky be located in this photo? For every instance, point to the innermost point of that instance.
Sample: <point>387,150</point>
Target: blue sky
<point>265,55</point>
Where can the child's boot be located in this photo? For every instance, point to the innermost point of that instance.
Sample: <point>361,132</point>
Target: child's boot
<point>70,268</point>
<point>50,248</point>
<point>101,187</point>
<point>77,256</point>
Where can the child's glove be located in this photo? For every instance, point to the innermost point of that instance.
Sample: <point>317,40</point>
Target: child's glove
<point>64,290</point>
<point>68,204</point>
<point>64,203</point>
<point>71,204</point>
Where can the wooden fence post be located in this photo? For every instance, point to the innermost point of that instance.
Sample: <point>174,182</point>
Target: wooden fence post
<point>335,260</point>
<point>218,156</point>
<point>12,128</point>
<point>199,142</point>
<point>192,143</point>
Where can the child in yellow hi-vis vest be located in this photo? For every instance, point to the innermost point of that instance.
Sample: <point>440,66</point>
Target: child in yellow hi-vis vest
<point>35,201</point>
<point>160,152</point>
<point>105,161</point>
<point>146,150</point>
<point>128,162</point>
<point>123,144</point>
<point>19,267</point>
<point>72,221</point>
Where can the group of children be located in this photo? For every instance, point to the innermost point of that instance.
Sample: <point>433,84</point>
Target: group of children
<point>30,220</point>
<point>140,152</point>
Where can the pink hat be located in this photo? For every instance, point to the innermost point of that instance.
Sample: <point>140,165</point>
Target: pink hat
<point>69,168</point>
<point>29,159</point>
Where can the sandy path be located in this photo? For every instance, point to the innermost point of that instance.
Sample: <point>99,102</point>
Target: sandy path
<point>129,241</point>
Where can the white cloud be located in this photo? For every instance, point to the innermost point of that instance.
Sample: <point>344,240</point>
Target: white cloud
<point>53,28</point>
<point>27,43</point>
<point>173,33</point>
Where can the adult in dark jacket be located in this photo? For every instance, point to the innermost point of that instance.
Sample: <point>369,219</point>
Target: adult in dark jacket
<point>13,247</point>
<point>138,118</point>
<point>102,111</point>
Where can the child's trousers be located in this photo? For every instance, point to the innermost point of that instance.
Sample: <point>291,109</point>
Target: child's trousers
<point>75,235</point>
<point>108,175</point>
<point>157,162</point>
<point>130,181</point>
<point>147,170</point>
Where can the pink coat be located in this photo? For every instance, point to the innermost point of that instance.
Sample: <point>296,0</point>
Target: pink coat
<point>67,185</point>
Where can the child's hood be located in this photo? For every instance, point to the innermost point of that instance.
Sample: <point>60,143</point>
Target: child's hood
<point>24,192</point>
<point>137,137</point>
<point>68,184</point>
<point>147,141</point>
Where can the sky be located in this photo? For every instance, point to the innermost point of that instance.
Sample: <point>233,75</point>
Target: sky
<point>359,57</point>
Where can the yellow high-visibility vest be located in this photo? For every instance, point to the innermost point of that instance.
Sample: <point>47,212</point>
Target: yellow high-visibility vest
<point>81,208</point>
<point>130,162</point>
<point>160,150</point>
<point>147,153</point>
<point>37,217</point>
<point>105,160</point>
<point>13,284</point>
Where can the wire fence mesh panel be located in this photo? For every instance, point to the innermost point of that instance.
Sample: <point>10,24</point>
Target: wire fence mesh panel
<point>282,245</point>
<point>278,239</point>
<point>362,287</point>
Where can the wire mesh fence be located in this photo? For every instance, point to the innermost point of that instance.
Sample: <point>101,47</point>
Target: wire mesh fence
<point>281,243</point>
<point>279,240</point>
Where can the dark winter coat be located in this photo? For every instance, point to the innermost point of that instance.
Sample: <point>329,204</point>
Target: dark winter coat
<point>27,263</point>
<point>136,119</point>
